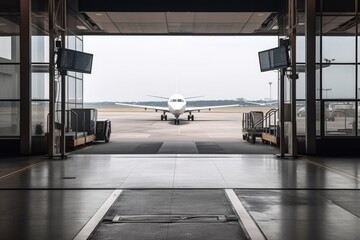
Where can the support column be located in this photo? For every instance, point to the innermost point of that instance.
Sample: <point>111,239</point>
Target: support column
<point>25,77</point>
<point>310,38</point>
<point>51,136</point>
<point>293,77</point>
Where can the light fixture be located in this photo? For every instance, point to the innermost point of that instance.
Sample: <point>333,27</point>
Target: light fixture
<point>301,24</point>
<point>98,14</point>
<point>80,27</point>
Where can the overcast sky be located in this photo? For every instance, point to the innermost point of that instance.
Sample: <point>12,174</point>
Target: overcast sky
<point>128,68</point>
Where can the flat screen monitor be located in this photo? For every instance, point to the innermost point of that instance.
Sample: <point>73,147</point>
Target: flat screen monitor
<point>71,60</point>
<point>274,58</point>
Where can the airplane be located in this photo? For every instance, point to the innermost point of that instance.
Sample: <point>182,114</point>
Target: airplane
<point>176,105</point>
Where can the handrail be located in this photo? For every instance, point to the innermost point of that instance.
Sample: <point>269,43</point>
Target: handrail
<point>265,117</point>
<point>268,126</point>
<point>76,121</point>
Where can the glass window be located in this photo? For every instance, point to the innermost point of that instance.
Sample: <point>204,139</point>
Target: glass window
<point>40,49</point>
<point>71,42</point>
<point>9,48</point>
<point>317,76</point>
<point>9,118</point>
<point>338,82</point>
<point>40,110</point>
<point>40,85</point>
<point>71,90</point>
<point>300,49</point>
<point>339,118</point>
<point>300,119</point>
<point>9,81</point>
<point>341,49</point>
<point>79,91</point>
<point>318,120</point>
<point>300,86</point>
<point>79,44</point>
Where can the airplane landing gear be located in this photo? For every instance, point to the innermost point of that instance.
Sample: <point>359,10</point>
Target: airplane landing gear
<point>191,117</point>
<point>177,121</point>
<point>163,117</point>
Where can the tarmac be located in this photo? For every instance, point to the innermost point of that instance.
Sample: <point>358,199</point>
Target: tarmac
<point>145,133</point>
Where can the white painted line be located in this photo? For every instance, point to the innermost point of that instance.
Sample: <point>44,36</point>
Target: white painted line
<point>244,217</point>
<point>98,216</point>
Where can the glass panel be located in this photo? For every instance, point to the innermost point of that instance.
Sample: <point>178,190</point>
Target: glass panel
<point>40,112</point>
<point>300,86</point>
<point>9,81</point>
<point>71,42</point>
<point>10,118</point>
<point>300,49</point>
<point>300,119</point>
<point>40,49</point>
<point>9,48</point>
<point>339,118</point>
<point>79,44</point>
<point>338,49</point>
<point>40,86</point>
<point>338,81</point>
<point>79,91</point>
<point>318,120</point>
<point>71,90</point>
<point>317,75</point>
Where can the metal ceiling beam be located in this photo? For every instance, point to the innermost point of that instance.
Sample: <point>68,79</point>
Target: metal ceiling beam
<point>179,6</point>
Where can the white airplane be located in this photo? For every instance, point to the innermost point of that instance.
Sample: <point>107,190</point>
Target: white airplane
<point>176,105</point>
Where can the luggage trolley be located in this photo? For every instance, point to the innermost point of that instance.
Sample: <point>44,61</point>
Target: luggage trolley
<point>252,125</point>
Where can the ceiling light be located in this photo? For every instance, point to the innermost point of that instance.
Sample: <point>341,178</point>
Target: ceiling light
<point>3,24</point>
<point>301,24</point>
<point>260,14</point>
<point>98,14</point>
<point>81,27</point>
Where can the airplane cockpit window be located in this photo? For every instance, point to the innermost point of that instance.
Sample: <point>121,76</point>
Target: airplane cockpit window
<point>180,100</point>
<point>172,100</point>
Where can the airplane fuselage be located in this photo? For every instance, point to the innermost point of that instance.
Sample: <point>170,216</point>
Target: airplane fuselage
<point>176,105</point>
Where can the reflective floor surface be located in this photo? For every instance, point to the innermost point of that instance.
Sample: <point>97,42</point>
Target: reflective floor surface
<point>306,198</point>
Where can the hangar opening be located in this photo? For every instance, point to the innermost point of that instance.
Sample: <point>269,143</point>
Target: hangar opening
<point>207,71</point>
<point>315,104</point>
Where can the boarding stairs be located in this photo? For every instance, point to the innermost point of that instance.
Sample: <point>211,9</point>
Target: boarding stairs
<point>256,124</point>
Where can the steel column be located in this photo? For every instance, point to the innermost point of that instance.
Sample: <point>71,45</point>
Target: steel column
<point>310,68</point>
<point>25,77</point>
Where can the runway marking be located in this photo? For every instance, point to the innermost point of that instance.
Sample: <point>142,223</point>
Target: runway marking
<point>331,169</point>
<point>98,216</point>
<point>21,170</point>
<point>245,219</point>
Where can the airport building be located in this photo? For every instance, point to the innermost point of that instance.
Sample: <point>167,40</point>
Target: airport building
<point>321,84</point>
<point>326,81</point>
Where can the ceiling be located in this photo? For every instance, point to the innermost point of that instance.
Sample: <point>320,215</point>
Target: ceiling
<point>175,17</point>
<point>179,23</point>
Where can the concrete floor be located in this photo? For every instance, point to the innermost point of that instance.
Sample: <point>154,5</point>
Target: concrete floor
<point>307,198</point>
<point>179,187</point>
<point>144,133</point>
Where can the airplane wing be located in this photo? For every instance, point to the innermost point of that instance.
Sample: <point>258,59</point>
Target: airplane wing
<point>162,109</point>
<point>192,109</point>
<point>262,103</point>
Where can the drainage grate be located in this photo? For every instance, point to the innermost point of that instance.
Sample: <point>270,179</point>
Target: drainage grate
<point>173,219</point>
